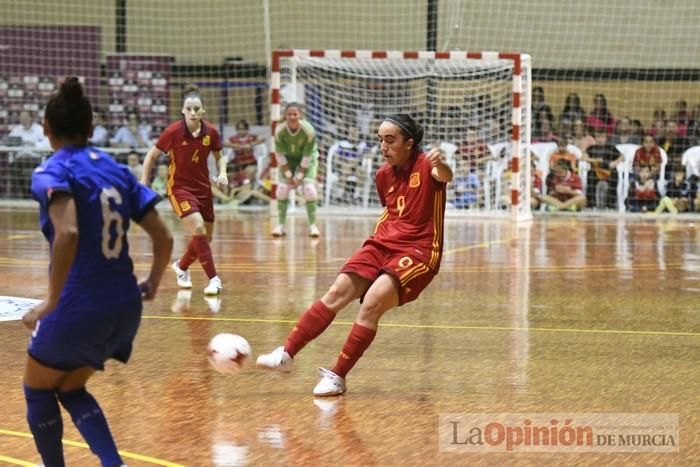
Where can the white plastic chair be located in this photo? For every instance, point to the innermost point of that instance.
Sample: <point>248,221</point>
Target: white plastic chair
<point>493,173</point>
<point>623,173</point>
<point>543,151</point>
<point>691,161</point>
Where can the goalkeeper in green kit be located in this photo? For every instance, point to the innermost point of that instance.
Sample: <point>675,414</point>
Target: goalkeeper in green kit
<point>297,159</point>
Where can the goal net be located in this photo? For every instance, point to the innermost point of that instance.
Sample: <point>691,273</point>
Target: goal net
<point>474,106</point>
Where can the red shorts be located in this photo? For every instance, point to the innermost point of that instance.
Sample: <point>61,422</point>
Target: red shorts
<point>185,203</point>
<point>410,273</point>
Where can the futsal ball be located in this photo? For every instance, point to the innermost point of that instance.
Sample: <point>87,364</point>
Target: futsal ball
<point>228,353</point>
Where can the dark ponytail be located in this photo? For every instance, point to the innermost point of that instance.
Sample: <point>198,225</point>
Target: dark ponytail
<point>69,112</point>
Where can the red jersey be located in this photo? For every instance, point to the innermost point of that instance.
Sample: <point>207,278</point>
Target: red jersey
<point>243,156</point>
<point>414,214</point>
<point>644,157</point>
<point>571,180</point>
<point>188,156</point>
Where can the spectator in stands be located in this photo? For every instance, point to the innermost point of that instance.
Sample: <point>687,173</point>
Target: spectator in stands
<point>466,187</point>
<point>133,134</point>
<point>242,168</point>
<point>474,150</point>
<point>638,129</point>
<point>658,123</point>
<point>643,196</point>
<point>694,127</point>
<point>682,117</point>
<point>563,153</point>
<point>571,112</point>
<point>100,135</point>
<point>564,189</point>
<point>546,133</point>
<point>160,181</point>
<point>581,137</point>
<point>133,161</point>
<point>30,132</point>
<point>602,178</point>
<point>624,133</point>
<point>648,154</point>
<point>601,117</point>
<point>674,145</point>
<point>678,192</point>
<point>540,111</point>
<point>23,161</point>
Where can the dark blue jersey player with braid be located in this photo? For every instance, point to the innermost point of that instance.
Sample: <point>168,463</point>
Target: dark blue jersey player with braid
<point>92,308</point>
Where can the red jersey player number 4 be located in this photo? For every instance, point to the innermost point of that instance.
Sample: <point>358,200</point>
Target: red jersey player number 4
<point>393,266</point>
<point>188,143</point>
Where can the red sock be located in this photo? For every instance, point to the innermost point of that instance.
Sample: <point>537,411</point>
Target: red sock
<point>311,324</point>
<point>189,256</point>
<point>201,246</point>
<point>358,341</point>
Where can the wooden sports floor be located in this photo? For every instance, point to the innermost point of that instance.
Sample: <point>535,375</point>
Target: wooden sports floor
<point>566,315</point>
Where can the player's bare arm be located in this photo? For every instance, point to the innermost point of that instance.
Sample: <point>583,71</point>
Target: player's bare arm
<point>222,177</point>
<point>441,171</point>
<point>148,163</point>
<point>65,223</point>
<point>162,248</point>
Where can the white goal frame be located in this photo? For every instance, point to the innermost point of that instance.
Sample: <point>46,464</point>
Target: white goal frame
<point>520,153</point>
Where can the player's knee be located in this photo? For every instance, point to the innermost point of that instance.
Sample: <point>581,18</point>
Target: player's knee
<point>370,312</point>
<point>282,192</point>
<point>338,295</point>
<point>310,193</point>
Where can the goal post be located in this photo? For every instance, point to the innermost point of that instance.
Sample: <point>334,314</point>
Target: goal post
<point>473,105</point>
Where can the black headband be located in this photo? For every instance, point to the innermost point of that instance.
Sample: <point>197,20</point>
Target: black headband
<point>412,134</point>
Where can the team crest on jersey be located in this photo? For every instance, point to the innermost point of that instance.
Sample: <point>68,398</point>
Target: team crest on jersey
<point>206,140</point>
<point>414,181</point>
<point>185,206</point>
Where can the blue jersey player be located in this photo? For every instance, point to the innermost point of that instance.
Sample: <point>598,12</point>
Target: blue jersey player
<point>93,306</point>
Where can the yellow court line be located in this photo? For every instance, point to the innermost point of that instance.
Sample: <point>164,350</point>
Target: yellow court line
<point>434,326</point>
<point>127,454</point>
<point>20,236</point>
<point>478,245</point>
<point>12,460</point>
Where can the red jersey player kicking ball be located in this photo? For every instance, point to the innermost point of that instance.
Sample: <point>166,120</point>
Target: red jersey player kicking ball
<point>393,266</point>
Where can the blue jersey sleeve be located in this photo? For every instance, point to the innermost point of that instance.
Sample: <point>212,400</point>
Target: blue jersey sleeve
<point>49,178</point>
<point>141,198</point>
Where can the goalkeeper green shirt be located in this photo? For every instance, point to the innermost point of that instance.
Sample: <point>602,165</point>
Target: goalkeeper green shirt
<point>295,146</point>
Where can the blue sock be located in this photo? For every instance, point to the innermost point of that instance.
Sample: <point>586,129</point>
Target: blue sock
<point>45,423</point>
<point>92,424</point>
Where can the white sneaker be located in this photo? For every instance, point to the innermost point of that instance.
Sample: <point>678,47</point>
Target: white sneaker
<point>330,384</point>
<point>313,231</point>
<point>214,287</point>
<point>278,360</point>
<point>183,276</point>
<point>278,231</point>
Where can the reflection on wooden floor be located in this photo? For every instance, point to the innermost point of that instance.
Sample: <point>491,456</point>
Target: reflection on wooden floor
<point>567,315</point>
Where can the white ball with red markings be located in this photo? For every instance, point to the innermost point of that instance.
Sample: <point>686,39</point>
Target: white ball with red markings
<point>228,353</point>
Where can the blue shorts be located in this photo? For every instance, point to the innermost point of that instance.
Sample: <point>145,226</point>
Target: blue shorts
<point>87,328</point>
